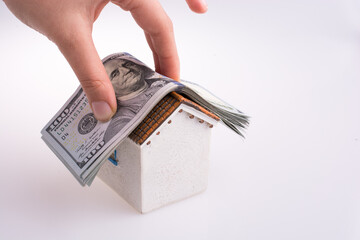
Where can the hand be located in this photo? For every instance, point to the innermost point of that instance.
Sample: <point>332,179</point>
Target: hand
<point>68,23</point>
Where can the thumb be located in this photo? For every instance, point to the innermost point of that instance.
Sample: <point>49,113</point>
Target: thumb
<point>80,52</point>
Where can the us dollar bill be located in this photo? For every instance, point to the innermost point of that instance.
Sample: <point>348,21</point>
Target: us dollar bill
<point>229,115</point>
<point>82,143</point>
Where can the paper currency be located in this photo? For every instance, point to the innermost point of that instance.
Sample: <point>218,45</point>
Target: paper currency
<point>82,143</point>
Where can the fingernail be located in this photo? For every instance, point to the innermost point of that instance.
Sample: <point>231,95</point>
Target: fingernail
<point>204,3</point>
<point>102,111</point>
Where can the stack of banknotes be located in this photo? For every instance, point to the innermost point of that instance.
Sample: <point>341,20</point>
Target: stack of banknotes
<point>82,143</point>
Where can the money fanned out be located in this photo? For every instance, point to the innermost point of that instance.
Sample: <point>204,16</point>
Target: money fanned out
<point>82,143</point>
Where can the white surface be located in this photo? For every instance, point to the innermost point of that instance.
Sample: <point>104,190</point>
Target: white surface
<point>293,66</point>
<point>172,167</point>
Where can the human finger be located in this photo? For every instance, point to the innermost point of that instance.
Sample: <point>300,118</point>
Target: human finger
<point>198,6</point>
<point>155,56</point>
<point>80,52</point>
<point>158,28</point>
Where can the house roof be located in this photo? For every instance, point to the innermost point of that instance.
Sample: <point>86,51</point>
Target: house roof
<point>160,113</point>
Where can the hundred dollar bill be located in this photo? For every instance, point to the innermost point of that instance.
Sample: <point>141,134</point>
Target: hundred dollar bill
<point>229,115</point>
<point>82,143</point>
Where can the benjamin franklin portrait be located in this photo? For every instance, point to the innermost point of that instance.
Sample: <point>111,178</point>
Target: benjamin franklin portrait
<point>134,84</point>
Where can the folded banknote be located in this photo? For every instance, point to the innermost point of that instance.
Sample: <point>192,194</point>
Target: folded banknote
<point>82,143</point>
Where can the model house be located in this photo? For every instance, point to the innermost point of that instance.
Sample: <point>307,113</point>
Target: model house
<point>166,158</point>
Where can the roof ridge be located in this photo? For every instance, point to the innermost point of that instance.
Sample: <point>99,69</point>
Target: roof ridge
<point>194,105</point>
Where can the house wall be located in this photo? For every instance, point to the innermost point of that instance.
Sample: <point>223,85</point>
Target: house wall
<point>175,164</point>
<point>125,178</point>
<point>172,164</point>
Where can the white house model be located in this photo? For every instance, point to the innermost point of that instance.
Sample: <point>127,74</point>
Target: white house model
<point>166,158</point>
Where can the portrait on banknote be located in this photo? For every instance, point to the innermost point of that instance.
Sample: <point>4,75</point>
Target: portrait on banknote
<point>134,84</point>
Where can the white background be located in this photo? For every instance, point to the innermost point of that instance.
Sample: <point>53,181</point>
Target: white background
<point>293,66</point>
